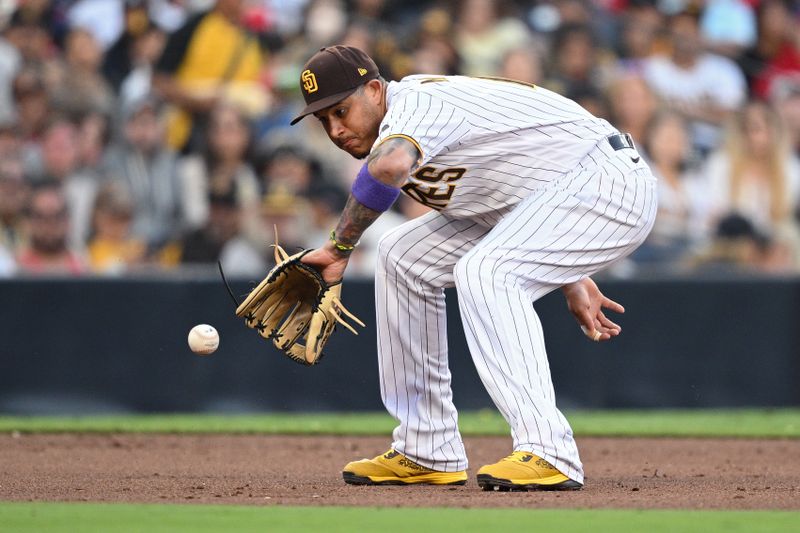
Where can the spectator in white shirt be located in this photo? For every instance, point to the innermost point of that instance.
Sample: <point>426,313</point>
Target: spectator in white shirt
<point>704,87</point>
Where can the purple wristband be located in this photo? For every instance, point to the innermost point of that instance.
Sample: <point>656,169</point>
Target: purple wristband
<point>372,193</point>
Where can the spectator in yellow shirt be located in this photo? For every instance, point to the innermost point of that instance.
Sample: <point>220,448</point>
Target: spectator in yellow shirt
<point>211,58</point>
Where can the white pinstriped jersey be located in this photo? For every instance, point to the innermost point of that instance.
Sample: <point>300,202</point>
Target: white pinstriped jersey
<point>529,197</point>
<point>486,143</point>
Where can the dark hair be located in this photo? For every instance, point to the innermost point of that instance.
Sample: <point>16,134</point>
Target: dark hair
<point>735,226</point>
<point>267,157</point>
<point>568,31</point>
<point>764,4</point>
<point>29,79</point>
<point>44,186</point>
<point>226,198</point>
<point>26,18</point>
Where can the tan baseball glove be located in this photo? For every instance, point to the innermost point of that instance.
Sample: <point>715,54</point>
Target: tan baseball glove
<point>296,308</point>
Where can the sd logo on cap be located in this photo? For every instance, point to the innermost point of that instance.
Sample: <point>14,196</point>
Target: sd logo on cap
<point>309,81</point>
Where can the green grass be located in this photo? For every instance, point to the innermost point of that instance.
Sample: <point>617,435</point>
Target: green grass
<point>118,518</point>
<point>679,423</point>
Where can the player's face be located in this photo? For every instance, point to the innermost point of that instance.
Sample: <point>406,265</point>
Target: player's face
<point>352,124</point>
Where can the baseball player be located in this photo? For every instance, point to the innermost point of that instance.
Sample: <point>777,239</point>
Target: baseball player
<point>530,193</point>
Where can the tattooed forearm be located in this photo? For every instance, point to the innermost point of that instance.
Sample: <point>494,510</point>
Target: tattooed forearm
<point>355,219</point>
<point>390,162</point>
<point>393,160</point>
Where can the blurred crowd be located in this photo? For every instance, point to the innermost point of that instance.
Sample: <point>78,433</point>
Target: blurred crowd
<point>141,136</point>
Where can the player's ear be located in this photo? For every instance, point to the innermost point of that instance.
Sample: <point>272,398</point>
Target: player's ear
<point>373,89</point>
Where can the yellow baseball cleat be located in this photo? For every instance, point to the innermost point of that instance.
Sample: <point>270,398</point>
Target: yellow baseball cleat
<point>394,468</point>
<point>524,471</point>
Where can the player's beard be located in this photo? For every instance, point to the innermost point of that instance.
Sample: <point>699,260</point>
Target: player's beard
<point>374,118</point>
<point>49,245</point>
<point>360,154</point>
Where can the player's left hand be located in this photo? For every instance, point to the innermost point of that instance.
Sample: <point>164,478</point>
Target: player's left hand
<point>296,307</point>
<point>586,303</point>
<point>330,264</point>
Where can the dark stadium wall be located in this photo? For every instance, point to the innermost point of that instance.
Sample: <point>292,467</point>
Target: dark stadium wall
<point>94,346</point>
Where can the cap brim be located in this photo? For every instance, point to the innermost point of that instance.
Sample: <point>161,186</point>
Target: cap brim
<point>322,104</point>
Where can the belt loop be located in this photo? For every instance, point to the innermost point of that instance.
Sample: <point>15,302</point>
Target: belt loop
<point>630,140</point>
<point>621,141</point>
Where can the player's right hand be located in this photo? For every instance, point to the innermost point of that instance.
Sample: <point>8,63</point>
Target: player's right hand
<point>586,303</point>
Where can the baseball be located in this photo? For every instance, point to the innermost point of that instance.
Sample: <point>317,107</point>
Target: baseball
<point>203,339</point>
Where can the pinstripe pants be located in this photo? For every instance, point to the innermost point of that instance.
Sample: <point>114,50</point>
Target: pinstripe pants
<point>577,225</point>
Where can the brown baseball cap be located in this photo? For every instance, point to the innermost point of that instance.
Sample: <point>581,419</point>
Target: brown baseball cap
<point>333,74</point>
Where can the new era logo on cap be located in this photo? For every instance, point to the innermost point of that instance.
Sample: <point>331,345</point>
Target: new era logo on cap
<point>333,74</point>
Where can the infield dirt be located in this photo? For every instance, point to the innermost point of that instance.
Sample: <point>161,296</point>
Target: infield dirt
<point>306,470</point>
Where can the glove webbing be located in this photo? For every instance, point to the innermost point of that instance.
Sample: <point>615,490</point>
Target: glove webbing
<point>281,255</point>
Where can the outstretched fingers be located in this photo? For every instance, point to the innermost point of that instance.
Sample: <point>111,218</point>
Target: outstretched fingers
<point>611,305</point>
<point>597,327</point>
<point>610,326</point>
